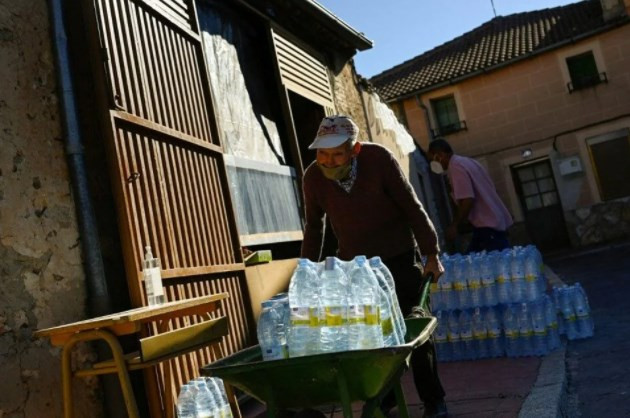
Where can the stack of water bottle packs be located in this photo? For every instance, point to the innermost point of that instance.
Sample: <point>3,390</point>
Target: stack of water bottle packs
<point>203,397</point>
<point>494,304</point>
<point>332,306</point>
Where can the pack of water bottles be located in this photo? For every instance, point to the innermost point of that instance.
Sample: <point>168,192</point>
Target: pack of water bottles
<point>494,304</point>
<point>574,313</point>
<point>203,397</point>
<point>332,306</point>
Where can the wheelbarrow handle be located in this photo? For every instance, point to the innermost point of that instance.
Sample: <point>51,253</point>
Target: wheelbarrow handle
<point>425,285</point>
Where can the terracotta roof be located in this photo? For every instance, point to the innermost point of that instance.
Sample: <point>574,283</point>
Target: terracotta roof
<point>502,39</point>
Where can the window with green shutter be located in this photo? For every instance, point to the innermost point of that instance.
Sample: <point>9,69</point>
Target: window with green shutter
<point>583,71</point>
<point>446,116</point>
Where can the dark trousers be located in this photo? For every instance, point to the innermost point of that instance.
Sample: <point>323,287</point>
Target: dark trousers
<point>407,277</point>
<point>488,239</point>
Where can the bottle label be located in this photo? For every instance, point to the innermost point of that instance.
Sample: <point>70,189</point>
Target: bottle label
<point>474,285</point>
<point>356,314</point>
<point>512,333</point>
<point>446,287</point>
<point>459,286</point>
<point>153,281</point>
<point>466,335</point>
<point>501,279</point>
<point>300,316</point>
<point>372,314</point>
<point>453,337</point>
<point>387,326</point>
<point>434,288</point>
<point>530,278</point>
<point>333,316</point>
<point>480,335</point>
<point>494,333</point>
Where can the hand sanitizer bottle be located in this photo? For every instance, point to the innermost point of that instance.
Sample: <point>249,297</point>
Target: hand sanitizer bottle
<point>152,278</point>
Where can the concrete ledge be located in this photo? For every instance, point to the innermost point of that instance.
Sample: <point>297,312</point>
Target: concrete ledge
<point>548,397</point>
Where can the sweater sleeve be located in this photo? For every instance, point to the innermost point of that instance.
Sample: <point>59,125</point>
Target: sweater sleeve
<point>314,227</point>
<point>399,188</point>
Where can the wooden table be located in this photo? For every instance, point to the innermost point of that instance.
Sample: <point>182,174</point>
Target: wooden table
<point>154,349</point>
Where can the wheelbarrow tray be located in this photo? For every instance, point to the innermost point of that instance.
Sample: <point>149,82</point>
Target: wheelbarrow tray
<point>321,379</point>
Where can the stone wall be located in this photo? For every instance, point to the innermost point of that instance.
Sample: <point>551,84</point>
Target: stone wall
<point>603,222</point>
<point>40,262</point>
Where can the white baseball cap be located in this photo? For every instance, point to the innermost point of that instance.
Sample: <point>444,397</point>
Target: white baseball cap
<point>334,131</point>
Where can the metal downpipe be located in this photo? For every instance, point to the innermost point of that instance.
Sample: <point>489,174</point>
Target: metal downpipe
<point>98,296</point>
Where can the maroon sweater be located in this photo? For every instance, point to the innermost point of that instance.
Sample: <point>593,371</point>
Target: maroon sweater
<point>380,216</point>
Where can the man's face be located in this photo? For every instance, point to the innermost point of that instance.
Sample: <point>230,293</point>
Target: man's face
<point>439,156</point>
<point>335,157</point>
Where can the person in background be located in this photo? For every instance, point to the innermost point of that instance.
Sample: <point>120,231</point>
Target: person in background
<point>476,198</point>
<point>373,211</point>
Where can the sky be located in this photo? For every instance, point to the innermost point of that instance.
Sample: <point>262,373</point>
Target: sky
<point>403,29</point>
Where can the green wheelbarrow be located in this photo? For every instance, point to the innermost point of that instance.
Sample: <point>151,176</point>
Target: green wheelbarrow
<point>325,379</point>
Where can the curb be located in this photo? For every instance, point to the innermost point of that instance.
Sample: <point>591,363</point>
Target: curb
<point>548,397</point>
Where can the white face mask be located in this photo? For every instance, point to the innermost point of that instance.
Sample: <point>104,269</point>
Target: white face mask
<point>436,167</point>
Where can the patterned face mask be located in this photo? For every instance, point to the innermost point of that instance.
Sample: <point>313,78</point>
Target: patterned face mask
<point>336,173</point>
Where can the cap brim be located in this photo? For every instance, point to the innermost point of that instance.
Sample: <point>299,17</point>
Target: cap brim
<point>328,141</point>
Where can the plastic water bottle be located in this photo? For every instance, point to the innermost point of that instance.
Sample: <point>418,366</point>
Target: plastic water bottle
<point>217,388</point>
<point>584,320</point>
<point>517,278</point>
<point>568,313</point>
<point>459,283</point>
<point>532,274</point>
<point>377,265</point>
<point>152,277</point>
<point>206,405</point>
<point>551,317</point>
<point>504,273</point>
<point>334,308</point>
<point>303,337</point>
<point>364,325</point>
<point>465,332</point>
<point>488,279</point>
<point>436,297</point>
<point>525,331</point>
<point>480,333</point>
<point>454,337</point>
<point>495,340</point>
<point>446,285</point>
<point>186,404</point>
<point>474,282</point>
<point>389,325</point>
<point>271,331</point>
<point>441,337</point>
<point>539,325</point>
<point>510,326</point>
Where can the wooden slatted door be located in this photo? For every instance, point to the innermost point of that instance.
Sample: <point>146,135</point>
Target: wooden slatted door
<point>166,160</point>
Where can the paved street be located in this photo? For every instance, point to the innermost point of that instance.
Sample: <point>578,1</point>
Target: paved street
<point>599,368</point>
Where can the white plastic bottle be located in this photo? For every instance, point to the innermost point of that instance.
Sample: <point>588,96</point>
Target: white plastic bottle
<point>333,308</point>
<point>495,340</point>
<point>525,330</point>
<point>204,399</point>
<point>152,278</point>
<point>584,320</point>
<point>391,333</point>
<point>377,264</point>
<point>454,337</point>
<point>510,327</point>
<point>504,274</point>
<point>217,388</point>
<point>466,333</point>
<point>364,326</point>
<point>517,279</point>
<point>488,279</point>
<point>270,330</point>
<point>303,335</point>
<point>473,280</point>
<point>539,325</point>
<point>446,285</point>
<point>186,404</point>
<point>442,346</point>
<point>480,333</point>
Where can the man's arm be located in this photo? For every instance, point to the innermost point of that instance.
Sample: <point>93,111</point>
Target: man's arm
<point>314,227</point>
<point>464,207</point>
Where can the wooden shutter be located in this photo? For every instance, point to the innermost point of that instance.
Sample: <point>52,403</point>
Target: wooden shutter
<point>166,160</point>
<point>301,72</point>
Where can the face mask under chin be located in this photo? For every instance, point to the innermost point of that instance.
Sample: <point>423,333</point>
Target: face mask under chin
<point>336,173</point>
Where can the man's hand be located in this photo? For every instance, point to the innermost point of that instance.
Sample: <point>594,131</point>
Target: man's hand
<point>433,265</point>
